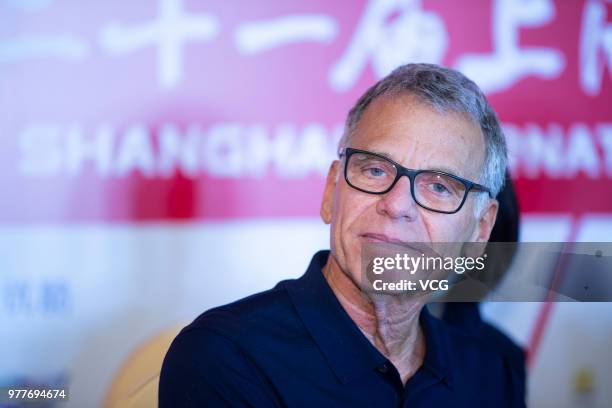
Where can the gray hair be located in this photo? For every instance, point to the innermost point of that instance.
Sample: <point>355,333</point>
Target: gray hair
<point>446,90</point>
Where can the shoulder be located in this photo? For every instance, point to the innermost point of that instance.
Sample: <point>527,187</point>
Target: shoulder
<point>488,344</point>
<point>213,357</point>
<point>488,359</point>
<point>239,328</point>
<point>466,320</point>
<point>259,314</point>
<point>501,342</point>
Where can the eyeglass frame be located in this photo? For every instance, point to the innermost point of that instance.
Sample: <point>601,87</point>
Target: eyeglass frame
<point>347,152</point>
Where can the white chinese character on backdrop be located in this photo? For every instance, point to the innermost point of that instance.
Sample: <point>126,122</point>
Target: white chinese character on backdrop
<point>252,38</point>
<point>508,62</point>
<point>172,28</point>
<point>413,35</point>
<point>595,46</point>
<point>35,46</point>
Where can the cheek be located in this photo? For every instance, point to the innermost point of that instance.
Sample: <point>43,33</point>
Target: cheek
<point>349,210</point>
<point>352,206</point>
<point>448,227</point>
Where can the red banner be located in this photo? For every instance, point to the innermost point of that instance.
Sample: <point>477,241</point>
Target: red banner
<point>184,110</point>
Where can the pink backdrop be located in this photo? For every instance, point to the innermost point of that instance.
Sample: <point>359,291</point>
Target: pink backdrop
<point>254,94</point>
<point>145,147</point>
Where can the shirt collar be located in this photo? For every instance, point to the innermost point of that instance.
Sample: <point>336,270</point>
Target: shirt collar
<point>348,352</point>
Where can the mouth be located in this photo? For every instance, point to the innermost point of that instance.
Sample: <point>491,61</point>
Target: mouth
<point>412,245</point>
<point>374,237</point>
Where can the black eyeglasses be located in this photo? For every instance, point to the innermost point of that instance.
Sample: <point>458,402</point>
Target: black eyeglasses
<point>431,189</point>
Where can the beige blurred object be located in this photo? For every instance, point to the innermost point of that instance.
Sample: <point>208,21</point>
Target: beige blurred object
<point>584,380</point>
<point>136,382</point>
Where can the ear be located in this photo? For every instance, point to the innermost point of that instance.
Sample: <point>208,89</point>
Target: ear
<point>486,221</point>
<point>327,203</point>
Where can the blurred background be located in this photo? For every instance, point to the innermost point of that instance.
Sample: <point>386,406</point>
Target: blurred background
<point>159,158</point>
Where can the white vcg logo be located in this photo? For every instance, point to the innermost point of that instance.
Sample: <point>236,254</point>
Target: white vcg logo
<point>433,284</point>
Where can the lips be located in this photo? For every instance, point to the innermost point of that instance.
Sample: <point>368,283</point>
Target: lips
<point>412,245</point>
<point>375,237</point>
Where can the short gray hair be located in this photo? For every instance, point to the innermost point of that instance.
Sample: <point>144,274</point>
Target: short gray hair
<point>446,90</point>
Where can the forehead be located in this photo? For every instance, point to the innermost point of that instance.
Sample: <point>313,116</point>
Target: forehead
<point>418,136</point>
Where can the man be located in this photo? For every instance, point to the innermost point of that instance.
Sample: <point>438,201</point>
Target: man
<point>318,341</point>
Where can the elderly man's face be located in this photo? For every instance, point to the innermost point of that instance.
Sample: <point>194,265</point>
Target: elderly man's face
<point>418,137</point>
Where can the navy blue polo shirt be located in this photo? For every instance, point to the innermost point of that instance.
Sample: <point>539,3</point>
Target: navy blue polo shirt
<point>296,346</point>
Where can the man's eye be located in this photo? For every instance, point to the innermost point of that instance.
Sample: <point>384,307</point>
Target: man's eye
<point>439,188</point>
<point>375,171</point>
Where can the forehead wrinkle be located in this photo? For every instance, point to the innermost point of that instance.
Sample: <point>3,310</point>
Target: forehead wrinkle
<point>385,115</point>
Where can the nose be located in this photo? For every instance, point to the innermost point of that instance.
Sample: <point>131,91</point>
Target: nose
<point>398,203</point>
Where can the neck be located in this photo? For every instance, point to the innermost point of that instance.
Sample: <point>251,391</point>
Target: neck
<point>390,322</point>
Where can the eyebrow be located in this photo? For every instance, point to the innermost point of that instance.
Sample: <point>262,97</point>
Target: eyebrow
<point>443,169</point>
